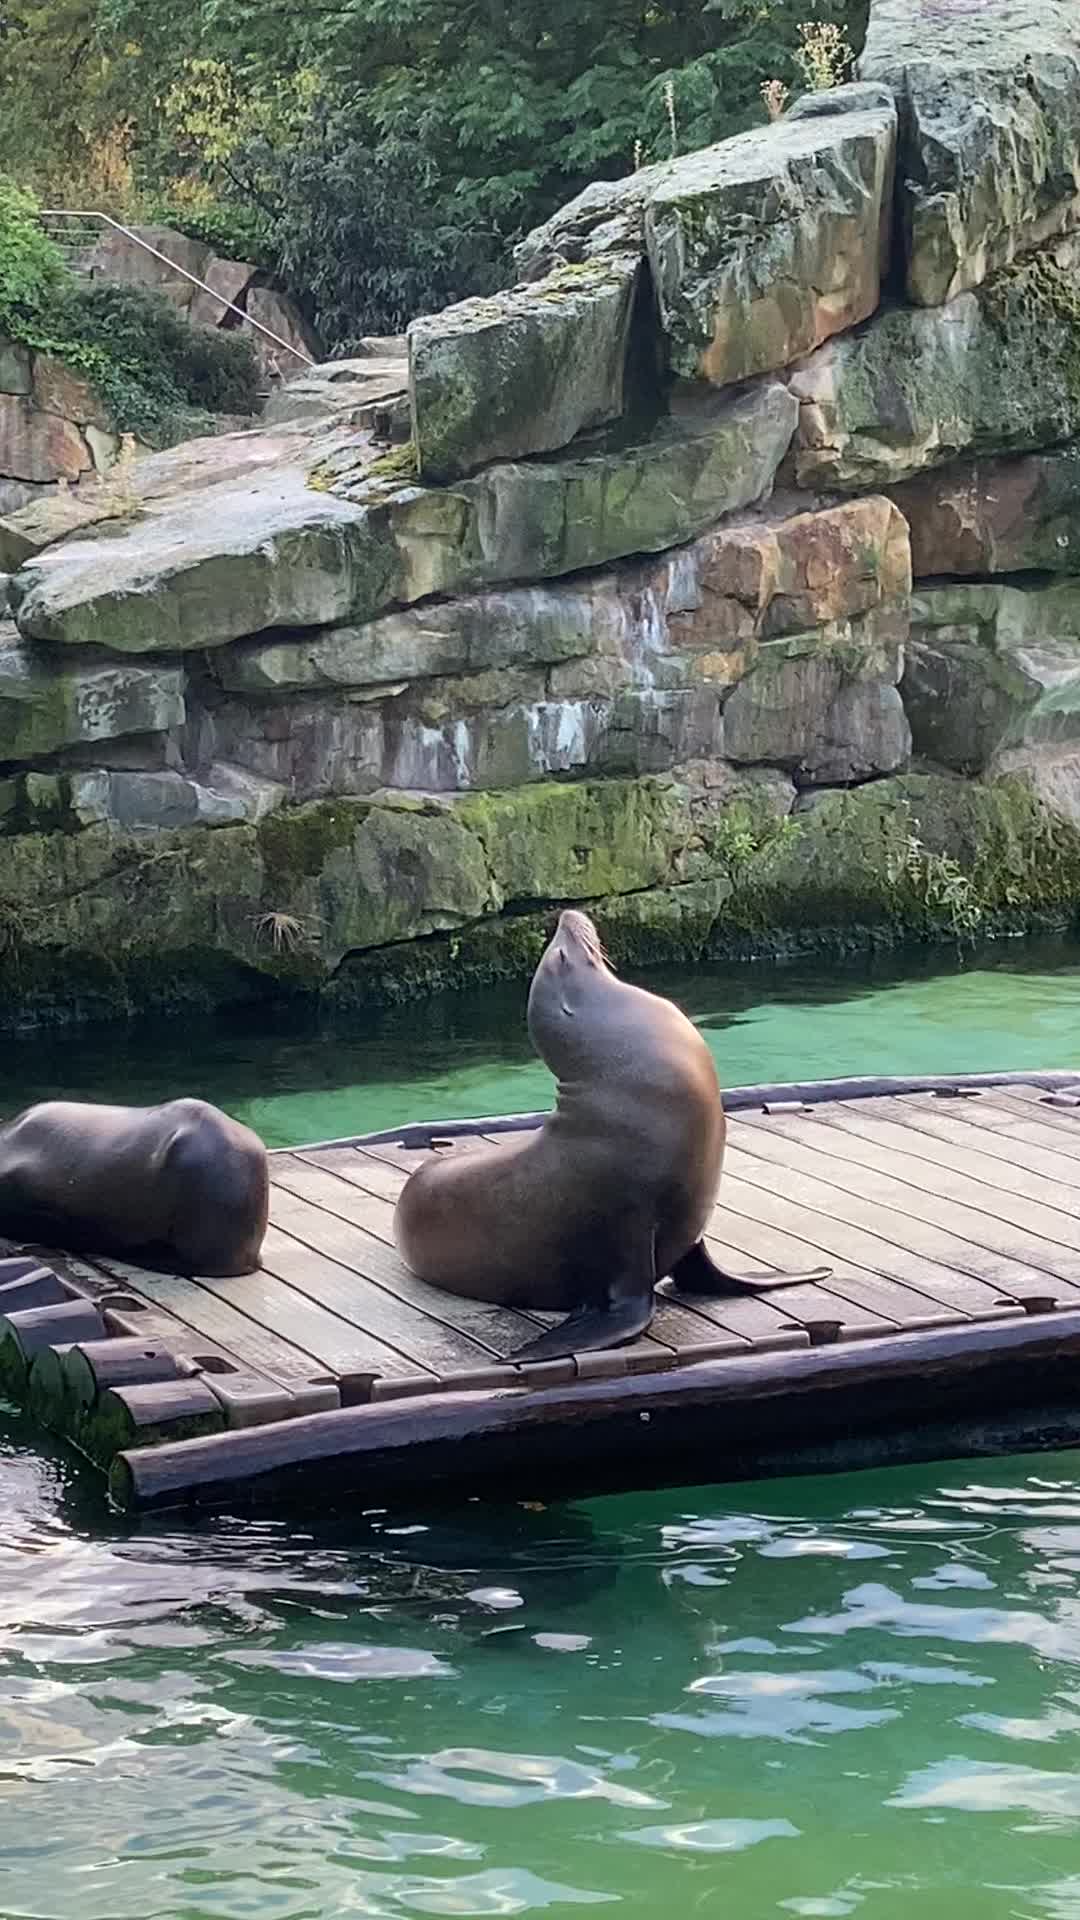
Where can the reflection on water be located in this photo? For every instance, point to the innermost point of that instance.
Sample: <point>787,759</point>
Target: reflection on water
<point>855,1695</point>
<point>1005,1006</point>
<point>823,1697</point>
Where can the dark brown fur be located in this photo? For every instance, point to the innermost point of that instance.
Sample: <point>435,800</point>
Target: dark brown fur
<point>617,1184</point>
<point>180,1186</point>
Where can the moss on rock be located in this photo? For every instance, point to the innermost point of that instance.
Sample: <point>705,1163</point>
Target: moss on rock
<point>382,900</point>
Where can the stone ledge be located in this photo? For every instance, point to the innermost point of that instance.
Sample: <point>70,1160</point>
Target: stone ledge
<point>521,372</point>
<point>989,161</point>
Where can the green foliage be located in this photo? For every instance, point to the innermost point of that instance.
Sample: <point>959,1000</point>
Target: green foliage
<point>158,368</point>
<point>157,375</point>
<point>359,235</point>
<point>31,266</point>
<point>382,155</point>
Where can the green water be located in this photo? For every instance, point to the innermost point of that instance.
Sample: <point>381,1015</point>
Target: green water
<point>822,1697</point>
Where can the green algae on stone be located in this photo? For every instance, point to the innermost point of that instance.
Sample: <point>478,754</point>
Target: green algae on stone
<point>991,668</point>
<point>577,840</point>
<point>523,371</point>
<point>989,98</point>
<point>922,855</point>
<point>765,245</point>
<point>996,371</point>
<point>48,703</point>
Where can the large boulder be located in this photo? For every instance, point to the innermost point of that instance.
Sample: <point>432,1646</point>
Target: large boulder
<point>357,389</point>
<point>521,372</point>
<point>37,446</point>
<point>993,669</point>
<point>996,371</point>
<point>825,706</point>
<point>764,246</point>
<point>149,256</point>
<point>621,671</point>
<point>47,704</point>
<point>278,552</point>
<point>783,569</point>
<point>989,160</point>
<point>466,635</point>
<point>522,520</point>
<point>294,345</point>
<point>996,516</point>
<point>227,562</point>
<point>138,800</point>
<point>29,525</point>
<point>227,281</point>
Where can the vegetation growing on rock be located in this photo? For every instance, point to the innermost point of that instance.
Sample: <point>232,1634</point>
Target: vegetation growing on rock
<point>157,377</point>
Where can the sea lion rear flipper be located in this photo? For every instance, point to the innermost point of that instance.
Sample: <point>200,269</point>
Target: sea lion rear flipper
<point>624,1313</point>
<point>697,1272</point>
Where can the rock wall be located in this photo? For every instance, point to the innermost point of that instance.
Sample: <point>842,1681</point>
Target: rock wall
<point>54,430</point>
<point>118,257</point>
<point>714,586</point>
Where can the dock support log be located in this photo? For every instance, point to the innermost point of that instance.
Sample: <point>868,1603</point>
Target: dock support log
<point>723,1420</point>
<point>24,1334</point>
<point>35,1286</point>
<point>151,1415</point>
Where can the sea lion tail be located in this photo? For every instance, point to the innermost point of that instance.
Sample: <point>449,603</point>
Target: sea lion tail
<point>697,1272</point>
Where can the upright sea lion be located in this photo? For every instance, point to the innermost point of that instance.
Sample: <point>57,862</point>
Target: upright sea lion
<point>179,1186</point>
<point>612,1193</point>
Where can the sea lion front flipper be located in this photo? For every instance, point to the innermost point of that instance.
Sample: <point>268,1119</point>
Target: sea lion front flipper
<point>697,1272</point>
<point>624,1313</point>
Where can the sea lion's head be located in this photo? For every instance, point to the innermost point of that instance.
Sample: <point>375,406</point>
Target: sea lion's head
<point>572,975</point>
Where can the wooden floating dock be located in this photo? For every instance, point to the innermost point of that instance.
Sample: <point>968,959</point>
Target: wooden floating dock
<point>948,1211</point>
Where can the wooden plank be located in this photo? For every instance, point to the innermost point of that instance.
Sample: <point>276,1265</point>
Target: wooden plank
<point>359,1169</point>
<point>500,1330</point>
<point>245,1391</point>
<point>993,1132</point>
<point>679,1325</point>
<point>220,1318</point>
<point>1026,1103</point>
<point>889,1149</point>
<point>841,1223</point>
<point>298,1250</point>
<point>853,1291</point>
<point>766,1327</point>
<point>951,1235</point>
<point>345,1351</point>
<point>405,1160</point>
<point>1028,1123</point>
<point>873,1172</point>
<point>978,1151</point>
<point>337,1193</point>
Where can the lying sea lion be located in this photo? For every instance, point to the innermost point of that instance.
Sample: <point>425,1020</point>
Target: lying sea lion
<point>612,1193</point>
<point>179,1186</point>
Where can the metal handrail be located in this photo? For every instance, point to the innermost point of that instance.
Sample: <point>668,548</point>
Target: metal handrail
<point>87,213</point>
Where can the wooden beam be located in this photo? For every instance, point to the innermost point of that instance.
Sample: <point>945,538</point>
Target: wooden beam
<point>717,1419</point>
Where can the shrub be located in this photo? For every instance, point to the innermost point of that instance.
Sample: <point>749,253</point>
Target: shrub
<point>31,266</point>
<point>360,236</point>
<point>160,353</point>
<point>158,375</point>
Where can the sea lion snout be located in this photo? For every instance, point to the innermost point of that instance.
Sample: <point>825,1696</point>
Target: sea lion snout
<point>576,934</point>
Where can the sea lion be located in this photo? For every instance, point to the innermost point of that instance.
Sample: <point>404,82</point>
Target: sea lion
<point>585,1214</point>
<point>180,1186</point>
